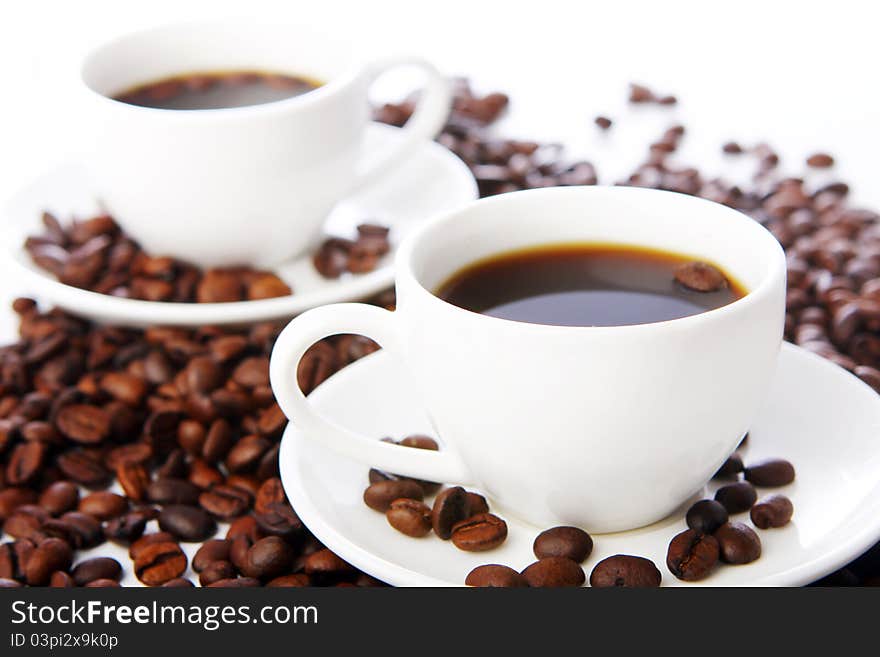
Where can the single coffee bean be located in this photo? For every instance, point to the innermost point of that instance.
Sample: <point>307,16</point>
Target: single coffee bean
<point>244,526</point>
<point>737,497</point>
<point>730,468</point>
<point>700,276</point>
<point>623,570</point>
<point>96,568</point>
<point>324,562</point>
<point>215,571</point>
<point>570,542</point>
<point>188,523</point>
<point>479,533</point>
<point>450,507</point>
<point>156,563</point>
<point>738,543</point>
<point>770,473</point>
<point>225,502</point>
<point>270,492</point>
<point>772,511</point>
<point>83,469</point>
<point>692,556</point>
<point>706,516</point>
<point>554,572</point>
<point>50,555</point>
<point>173,491</point>
<point>134,480</point>
<point>126,528</point>
<point>495,576</point>
<point>103,505</point>
<point>215,549</point>
<point>380,495</point>
<point>410,517</point>
<point>12,498</point>
<point>25,462</point>
<point>148,539</point>
<point>279,520</point>
<point>83,423</point>
<point>60,497</point>
<point>268,558</point>
<point>420,442</point>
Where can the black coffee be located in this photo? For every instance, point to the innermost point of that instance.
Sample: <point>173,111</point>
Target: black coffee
<point>217,90</point>
<point>590,285</point>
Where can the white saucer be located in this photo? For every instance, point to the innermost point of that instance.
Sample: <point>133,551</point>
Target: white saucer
<point>818,416</point>
<point>432,182</point>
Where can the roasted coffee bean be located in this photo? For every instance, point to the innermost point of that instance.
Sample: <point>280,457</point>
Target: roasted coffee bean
<point>450,507</point>
<point>126,528</point>
<point>134,480</point>
<point>324,562</point>
<point>83,423</point>
<point>770,473</point>
<point>215,571</point>
<point>96,569</point>
<point>495,576</point>
<point>380,495</point>
<point>24,524</point>
<point>410,517</point>
<point>737,497</point>
<point>12,498</point>
<point>59,497</point>
<point>570,542</point>
<point>215,549</point>
<point>700,276</point>
<point>225,502</point>
<point>772,511</point>
<point>268,558</point>
<point>623,570</point>
<point>603,122</point>
<point>270,492</point>
<point>279,520</point>
<point>244,526</point>
<point>157,563</point>
<point>218,441</point>
<point>173,491</point>
<point>554,572</point>
<point>83,469</point>
<point>820,161</point>
<point>730,468</point>
<point>188,523</point>
<point>692,556</point>
<point>103,505</point>
<point>706,516</point>
<point>25,462</point>
<point>50,555</point>
<point>148,539</point>
<point>737,543</point>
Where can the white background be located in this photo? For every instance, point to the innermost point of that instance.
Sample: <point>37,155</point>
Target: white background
<point>799,74</point>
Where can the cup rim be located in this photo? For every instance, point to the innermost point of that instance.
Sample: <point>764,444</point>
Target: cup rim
<point>328,88</point>
<point>776,271</point>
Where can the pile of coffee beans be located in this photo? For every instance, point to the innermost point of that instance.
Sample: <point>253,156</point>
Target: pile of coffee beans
<point>184,427</point>
<point>457,515</point>
<point>95,254</point>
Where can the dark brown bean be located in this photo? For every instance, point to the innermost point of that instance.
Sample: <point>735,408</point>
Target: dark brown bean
<point>83,423</point>
<point>772,511</point>
<point>450,507</point>
<point>706,516</point>
<point>148,539</point>
<point>700,276</point>
<point>692,556</point>
<point>623,570</point>
<point>216,571</point>
<point>409,517</point>
<point>737,497</point>
<point>103,505</point>
<point>324,562</point>
<point>215,549</point>
<point>173,491</point>
<point>59,497</point>
<point>571,542</point>
<point>770,473</point>
<point>554,572</point>
<point>95,569</point>
<point>225,502</point>
<point>188,523</point>
<point>268,558</point>
<point>49,556</point>
<point>737,543</point>
<point>730,468</point>
<point>380,495</point>
<point>495,576</point>
<point>126,528</point>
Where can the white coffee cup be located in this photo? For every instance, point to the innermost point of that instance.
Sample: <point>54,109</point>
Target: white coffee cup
<point>244,185</point>
<point>606,428</point>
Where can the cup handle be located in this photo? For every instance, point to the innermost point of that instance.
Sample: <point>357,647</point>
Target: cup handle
<point>313,325</point>
<point>429,117</point>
